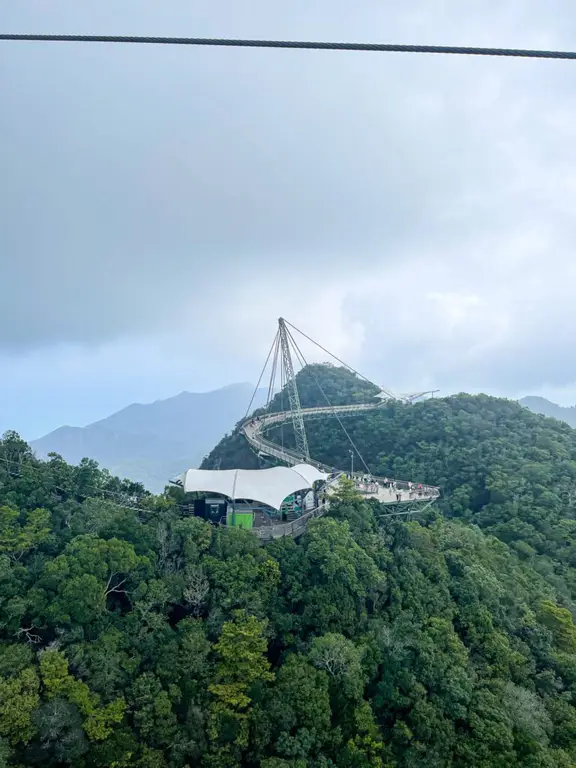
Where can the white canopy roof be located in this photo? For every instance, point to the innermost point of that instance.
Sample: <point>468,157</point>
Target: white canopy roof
<point>268,486</point>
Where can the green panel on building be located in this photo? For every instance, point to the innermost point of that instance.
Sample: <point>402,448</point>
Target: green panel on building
<point>241,519</point>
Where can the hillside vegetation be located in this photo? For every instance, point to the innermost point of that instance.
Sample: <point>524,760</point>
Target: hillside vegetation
<point>135,636</point>
<point>501,467</point>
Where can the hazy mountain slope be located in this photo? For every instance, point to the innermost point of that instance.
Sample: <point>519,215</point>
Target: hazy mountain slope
<point>547,408</point>
<point>152,442</point>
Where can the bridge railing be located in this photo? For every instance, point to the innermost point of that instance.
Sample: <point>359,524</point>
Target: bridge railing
<point>294,528</point>
<point>284,454</point>
<point>253,428</point>
<point>253,432</point>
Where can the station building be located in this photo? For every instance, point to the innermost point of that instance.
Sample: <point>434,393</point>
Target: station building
<point>249,498</point>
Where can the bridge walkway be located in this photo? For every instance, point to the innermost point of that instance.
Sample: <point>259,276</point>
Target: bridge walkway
<point>385,490</point>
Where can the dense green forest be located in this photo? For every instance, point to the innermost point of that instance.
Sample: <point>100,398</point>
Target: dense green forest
<point>132,634</point>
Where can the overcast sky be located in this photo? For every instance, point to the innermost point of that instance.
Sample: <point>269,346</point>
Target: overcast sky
<point>161,206</point>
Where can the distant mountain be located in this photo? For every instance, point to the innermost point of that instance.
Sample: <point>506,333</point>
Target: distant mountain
<point>153,442</point>
<point>546,408</point>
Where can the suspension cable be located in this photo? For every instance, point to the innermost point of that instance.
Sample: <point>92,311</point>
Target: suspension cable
<point>260,378</point>
<point>282,385</point>
<point>334,412</point>
<point>349,367</point>
<point>272,384</point>
<point>296,350</point>
<point>460,50</point>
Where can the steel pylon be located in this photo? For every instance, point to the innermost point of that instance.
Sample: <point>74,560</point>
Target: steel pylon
<point>293,396</point>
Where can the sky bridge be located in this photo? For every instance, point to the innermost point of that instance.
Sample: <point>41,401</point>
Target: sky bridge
<point>403,496</point>
<point>263,500</point>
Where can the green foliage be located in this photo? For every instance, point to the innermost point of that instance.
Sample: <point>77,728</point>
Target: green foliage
<point>58,682</point>
<point>75,587</point>
<point>18,536</point>
<point>241,666</point>
<point>346,490</point>
<point>18,700</point>
<point>560,622</point>
<point>143,638</point>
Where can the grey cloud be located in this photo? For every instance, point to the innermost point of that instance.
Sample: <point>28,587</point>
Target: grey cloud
<point>139,185</point>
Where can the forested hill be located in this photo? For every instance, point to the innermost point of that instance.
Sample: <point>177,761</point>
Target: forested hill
<point>507,470</point>
<point>135,636</point>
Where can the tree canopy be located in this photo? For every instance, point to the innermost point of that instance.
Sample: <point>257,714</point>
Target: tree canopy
<point>133,635</point>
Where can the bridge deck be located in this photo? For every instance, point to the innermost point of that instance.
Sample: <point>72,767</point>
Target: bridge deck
<point>403,494</point>
<point>401,490</point>
<point>296,528</point>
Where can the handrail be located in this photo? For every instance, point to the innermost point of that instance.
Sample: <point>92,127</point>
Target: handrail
<point>293,528</point>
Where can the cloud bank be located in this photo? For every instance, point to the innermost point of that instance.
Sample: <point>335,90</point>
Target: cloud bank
<point>413,213</point>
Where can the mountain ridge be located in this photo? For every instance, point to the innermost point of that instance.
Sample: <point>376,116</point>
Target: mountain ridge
<point>547,408</point>
<point>152,442</point>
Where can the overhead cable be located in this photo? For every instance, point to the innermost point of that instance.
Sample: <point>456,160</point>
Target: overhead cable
<point>260,377</point>
<point>39,466</point>
<point>459,50</point>
<point>272,383</point>
<point>349,367</point>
